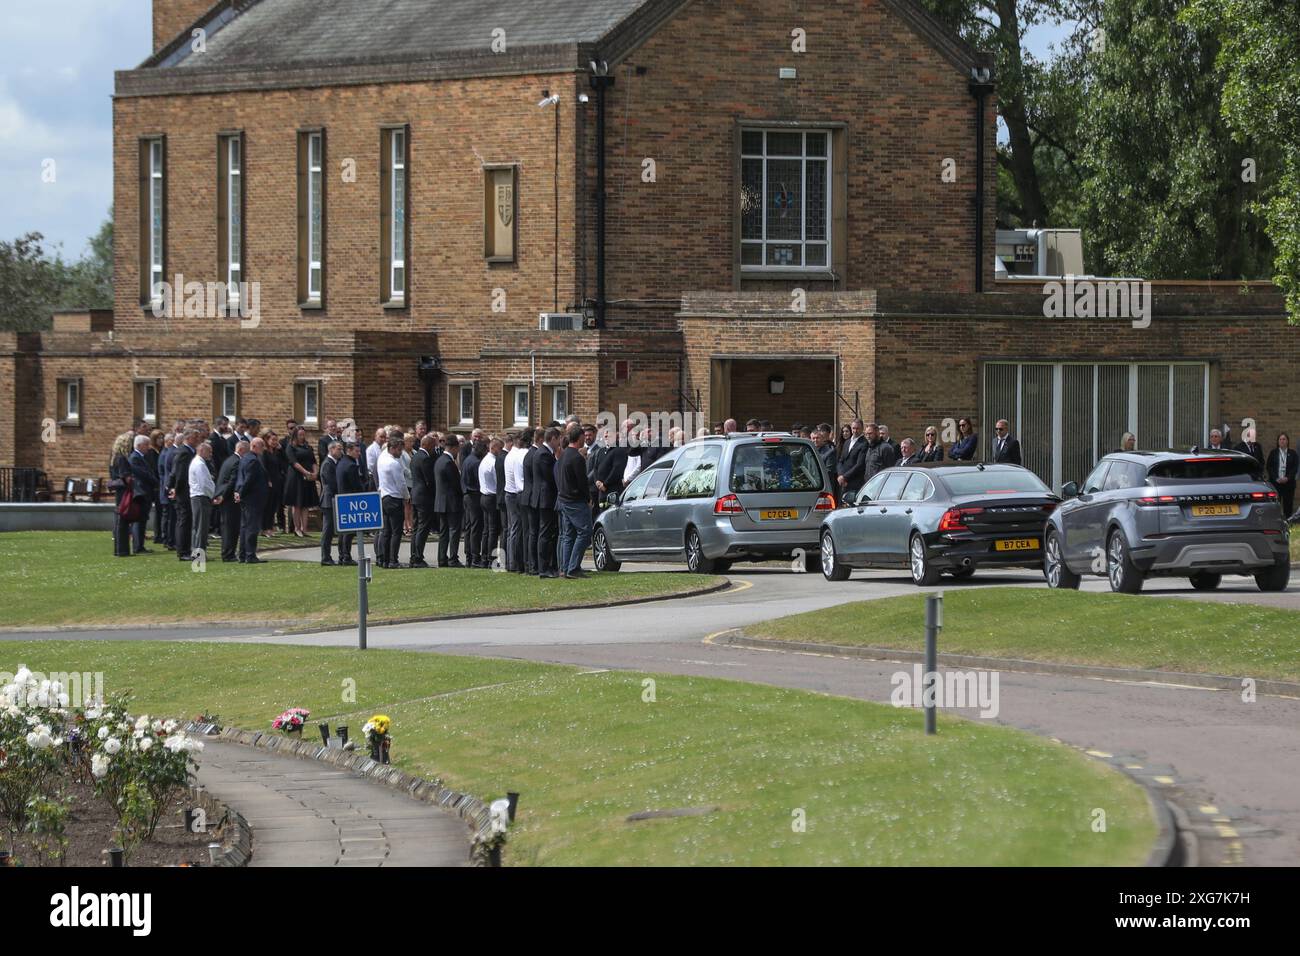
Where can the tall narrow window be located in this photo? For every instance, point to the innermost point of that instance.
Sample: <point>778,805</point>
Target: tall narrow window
<point>311,218</point>
<point>785,199</point>
<point>146,401</point>
<point>69,398</point>
<point>393,209</point>
<point>153,240</point>
<point>230,213</point>
<point>225,400</point>
<point>306,403</point>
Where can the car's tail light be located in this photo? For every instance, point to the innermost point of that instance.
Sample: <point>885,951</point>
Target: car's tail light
<point>728,505</point>
<point>954,519</point>
<point>1153,501</point>
<point>825,502</point>
<point>1262,495</point>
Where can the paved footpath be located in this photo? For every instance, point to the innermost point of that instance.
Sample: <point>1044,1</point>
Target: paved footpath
<point>308,813</point>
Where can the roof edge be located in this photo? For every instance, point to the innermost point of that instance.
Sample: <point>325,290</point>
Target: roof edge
<point>520,61</point>
<point>952,47</point>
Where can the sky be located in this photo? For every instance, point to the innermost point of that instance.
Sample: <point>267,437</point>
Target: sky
<point>57,59</point>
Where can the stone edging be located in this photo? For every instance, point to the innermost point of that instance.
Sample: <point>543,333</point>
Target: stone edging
<point>472,810</point>
<point>1272,688</point>
<point>619,602</point>
<point>237,847</point>
<point>370,622</point>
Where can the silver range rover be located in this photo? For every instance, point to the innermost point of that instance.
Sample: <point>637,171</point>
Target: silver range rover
<point>1144,514</point>
<point>747,496</point>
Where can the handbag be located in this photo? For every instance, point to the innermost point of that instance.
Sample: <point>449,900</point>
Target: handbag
<point>129,508</point>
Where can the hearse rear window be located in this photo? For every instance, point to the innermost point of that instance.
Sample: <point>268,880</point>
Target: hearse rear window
<point>778,466</point>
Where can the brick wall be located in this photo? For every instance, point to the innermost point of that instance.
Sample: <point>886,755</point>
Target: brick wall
<point>456,127</point>
<point>678,100</point>
<point>927,369</point>
<point>170,17</point>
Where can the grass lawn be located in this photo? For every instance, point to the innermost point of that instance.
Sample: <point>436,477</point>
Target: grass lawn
<point>1073,627</point>
<point>71,577</point>
<point>585,750</point>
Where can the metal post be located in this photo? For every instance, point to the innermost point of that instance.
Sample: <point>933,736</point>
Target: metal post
<point>363,566</point>
<point>930,681</point>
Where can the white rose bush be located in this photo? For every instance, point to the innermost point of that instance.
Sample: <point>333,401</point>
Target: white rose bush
<point>139,765</point>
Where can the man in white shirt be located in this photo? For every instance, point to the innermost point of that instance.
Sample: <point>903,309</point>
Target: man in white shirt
<point>202,488</point>
<point>514,507</point>
<point>487,486</point>
<point>373,451</point>
<point>393,495</point>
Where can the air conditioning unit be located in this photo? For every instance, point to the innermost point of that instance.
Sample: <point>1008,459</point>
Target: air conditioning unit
<point>560,321</point>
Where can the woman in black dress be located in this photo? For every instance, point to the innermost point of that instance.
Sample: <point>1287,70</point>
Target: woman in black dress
<point>271,461</point>
<point>300,486</point>
<point>120,480</point>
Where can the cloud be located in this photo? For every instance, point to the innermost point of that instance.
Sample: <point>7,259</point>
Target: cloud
<point>58,61</point>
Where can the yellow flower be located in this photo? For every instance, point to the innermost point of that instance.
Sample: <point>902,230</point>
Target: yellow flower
<point>381,723</point>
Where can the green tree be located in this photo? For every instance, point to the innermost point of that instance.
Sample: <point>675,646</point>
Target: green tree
<point>29,284</point>
<point>1038,102</point>
<point>34,283</point>
<point>1258,62</point>
<point>1162,186</point>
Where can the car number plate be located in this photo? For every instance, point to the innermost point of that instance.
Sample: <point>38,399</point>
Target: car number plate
<point>1016,544</point>
<point>778,514</point>
<point>1215,511</point>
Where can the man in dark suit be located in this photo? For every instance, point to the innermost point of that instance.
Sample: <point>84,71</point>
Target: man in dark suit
<point>144,490</point>
<point>348,481</point>
<point>165,502</point>
<point>528,504</point>
<point>328,437</point>
<point>329,489</point>
<point>448,504</point>
<point>544,495</point>
<point>178,490</point>
<point>853,459</point>
<point>220,446</point>
<point>826,452</point>
<point>503,516</point>
<point>1006,450</point>
<point>471,457</point>
<point>878,453</point>
<point>423,496</point>
<point>609,474</point>
<point>1216,442</point>
<point>1250,446</point>
<point>227,478</point>
<point>251,488</point>
<point>597,446</point>
<point>908,453</point>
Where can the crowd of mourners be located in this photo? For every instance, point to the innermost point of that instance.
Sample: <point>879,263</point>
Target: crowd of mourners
<point>524,500</point>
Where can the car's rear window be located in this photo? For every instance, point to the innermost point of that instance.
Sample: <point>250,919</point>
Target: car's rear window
<point>995,483</point>
<point>1217,469</point>
<point>777,466</point>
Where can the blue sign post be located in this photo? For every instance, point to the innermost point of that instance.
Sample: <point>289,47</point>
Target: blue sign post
<point>359,513</point>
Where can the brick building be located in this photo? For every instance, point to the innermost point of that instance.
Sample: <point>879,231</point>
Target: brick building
<point>758,207</point>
